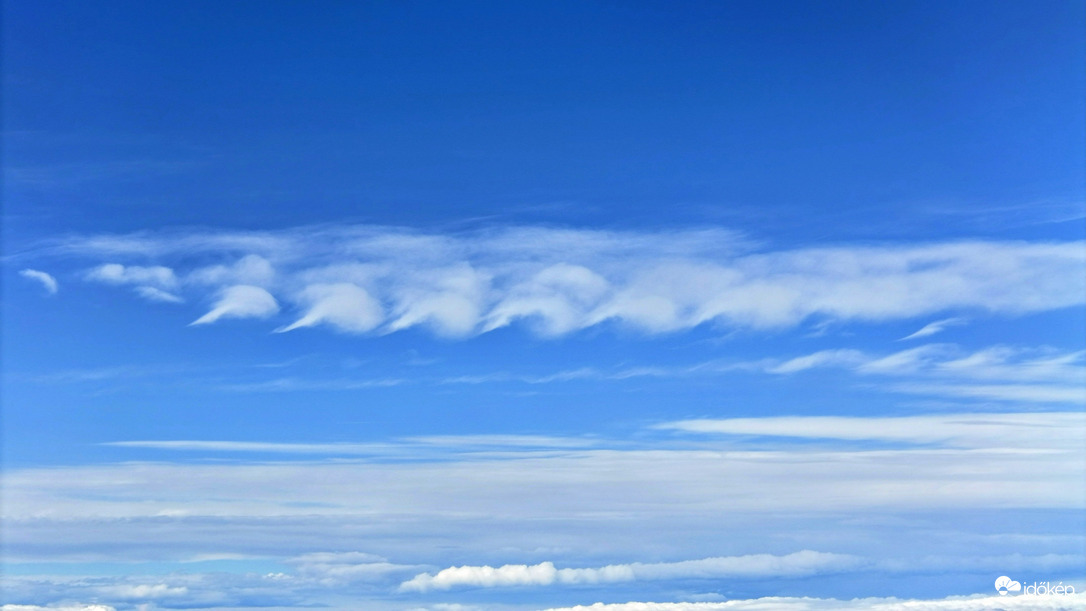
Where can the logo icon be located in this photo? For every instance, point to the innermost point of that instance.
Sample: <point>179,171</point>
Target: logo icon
<point>1005,584</point>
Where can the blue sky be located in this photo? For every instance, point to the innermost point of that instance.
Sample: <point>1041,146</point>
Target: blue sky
<point>457,306</point>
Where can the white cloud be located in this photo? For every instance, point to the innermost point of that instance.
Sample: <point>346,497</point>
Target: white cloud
<point>776,603</point>
<point>154,283</point>
<point>1000,373</point>
<point>151,293</point>
<point>801,563</point>
<point>250,269</point>
<point>559,281</point>
<point>556,484</point>
<point>48,282</point>
<point>330,568</point>
<point>115,273</point>
<point>819,359</point>
<point>1015,393</point>
<point>344,306</point>
<point>935,327</point>
<point>143,591</point>
<point>241,301</point>
<point>1034,430</point>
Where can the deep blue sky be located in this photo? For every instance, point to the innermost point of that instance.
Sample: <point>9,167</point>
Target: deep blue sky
<point>306,303</point>
<point>604,113</point>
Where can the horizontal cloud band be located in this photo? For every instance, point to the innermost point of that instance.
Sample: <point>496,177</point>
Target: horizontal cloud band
<point>801,563</point>
<point>364,279</point>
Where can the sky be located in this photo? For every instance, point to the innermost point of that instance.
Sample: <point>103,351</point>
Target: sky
<point>610,306</point>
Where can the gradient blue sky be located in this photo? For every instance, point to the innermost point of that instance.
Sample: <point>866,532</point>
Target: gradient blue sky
<point>306,304</point>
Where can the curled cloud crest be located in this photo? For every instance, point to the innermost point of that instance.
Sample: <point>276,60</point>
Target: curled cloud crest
<point>380,279</point>
<point>241,301</point>
<point>344,306</point>
<point>47,281</point>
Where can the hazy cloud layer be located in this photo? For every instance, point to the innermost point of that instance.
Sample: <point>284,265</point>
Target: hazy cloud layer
<point>367,279</point>
<point>987,461</point>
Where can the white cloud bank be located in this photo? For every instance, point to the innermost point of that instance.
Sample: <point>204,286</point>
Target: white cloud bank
<point>1017,461</point>
<point>798,564</point>
<point>365,279</point>
<point>776,603</point>
<point>47,281</point>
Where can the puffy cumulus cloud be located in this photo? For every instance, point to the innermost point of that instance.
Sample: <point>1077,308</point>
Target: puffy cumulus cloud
<point>47,281</point>
<point>562,280</point>
<point>344,306</point>
<point>778,603</point>
<point>801,563</point>
<point>242,301</point>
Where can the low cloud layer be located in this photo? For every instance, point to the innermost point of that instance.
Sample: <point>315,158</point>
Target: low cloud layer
<point>778,603</point>
<point>366,279</point>
<point>802,563</point>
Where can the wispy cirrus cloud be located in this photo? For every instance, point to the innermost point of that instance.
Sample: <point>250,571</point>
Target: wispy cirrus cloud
<point>1000,373</point>
<point>46,280</point>
<point>1052,430</point>
<point>935,327</point>
<point>372,279</point>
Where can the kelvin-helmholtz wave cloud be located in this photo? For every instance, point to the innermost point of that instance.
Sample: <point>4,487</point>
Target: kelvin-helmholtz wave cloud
<point>372,279</point>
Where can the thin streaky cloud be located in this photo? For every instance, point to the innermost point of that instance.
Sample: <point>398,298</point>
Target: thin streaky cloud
<point>1052,430</point>
<point>47,281</point>
<point>151,293</point>
<point>935,327</point>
